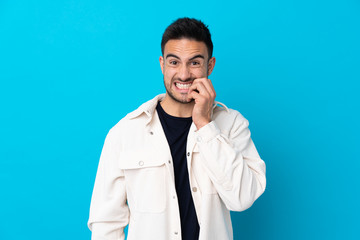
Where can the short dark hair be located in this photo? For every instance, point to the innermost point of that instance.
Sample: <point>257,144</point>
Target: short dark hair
<point>190,28</point>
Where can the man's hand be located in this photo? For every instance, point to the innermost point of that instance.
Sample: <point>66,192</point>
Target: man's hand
<point>202,91</point>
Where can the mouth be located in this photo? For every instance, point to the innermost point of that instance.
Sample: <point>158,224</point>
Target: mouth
<point>183,86</point>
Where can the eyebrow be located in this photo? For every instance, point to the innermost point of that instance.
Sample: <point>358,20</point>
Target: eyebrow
<point>171,55</point>
<point>196,56</point>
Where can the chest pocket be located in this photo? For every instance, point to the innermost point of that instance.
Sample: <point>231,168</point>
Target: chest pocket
<point>145,175</point>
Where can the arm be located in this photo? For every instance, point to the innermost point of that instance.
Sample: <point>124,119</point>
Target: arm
<point>109,213</point>
<point>232,162</point>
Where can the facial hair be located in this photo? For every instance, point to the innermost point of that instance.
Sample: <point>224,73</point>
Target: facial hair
<point>171,95</point>
<point>168,90</point>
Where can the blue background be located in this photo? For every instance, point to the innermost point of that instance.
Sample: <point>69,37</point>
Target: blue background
<point>70,70</point>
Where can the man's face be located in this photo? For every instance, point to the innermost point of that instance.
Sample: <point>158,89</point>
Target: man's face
<point>184,60</point>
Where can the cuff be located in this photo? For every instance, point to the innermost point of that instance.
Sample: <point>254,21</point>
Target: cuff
<point>207,132</point>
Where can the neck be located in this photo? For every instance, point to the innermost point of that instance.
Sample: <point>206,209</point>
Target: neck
<point>175,108</point>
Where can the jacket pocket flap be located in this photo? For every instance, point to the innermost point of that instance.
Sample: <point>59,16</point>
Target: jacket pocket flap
<point>139,159</point>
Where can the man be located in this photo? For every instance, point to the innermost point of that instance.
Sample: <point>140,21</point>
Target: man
<point>176,166</point>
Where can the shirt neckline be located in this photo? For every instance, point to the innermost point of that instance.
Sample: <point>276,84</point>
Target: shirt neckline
<point>159,108</point>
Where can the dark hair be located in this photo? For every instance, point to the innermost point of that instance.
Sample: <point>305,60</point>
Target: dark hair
<point>190,28</point>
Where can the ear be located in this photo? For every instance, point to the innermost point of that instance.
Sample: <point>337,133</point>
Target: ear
<point>211,65</point>
<point>161,60</point>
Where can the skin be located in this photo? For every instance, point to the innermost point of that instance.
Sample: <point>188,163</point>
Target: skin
<point>187,61</point>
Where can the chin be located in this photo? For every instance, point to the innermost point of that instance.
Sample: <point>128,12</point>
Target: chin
<point>183,99</point>
<point>186,101</point>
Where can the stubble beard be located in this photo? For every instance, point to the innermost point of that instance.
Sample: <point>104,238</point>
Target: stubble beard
<point>171,95</point>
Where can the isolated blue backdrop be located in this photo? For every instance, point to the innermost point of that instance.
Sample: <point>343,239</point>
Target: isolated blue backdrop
<point>70,70</point>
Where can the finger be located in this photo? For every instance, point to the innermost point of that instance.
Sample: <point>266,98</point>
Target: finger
<point>209,86</point>
<point>212,87</point>
<point>199,86</point>
<point>200,94</point>
<point>193,94</point>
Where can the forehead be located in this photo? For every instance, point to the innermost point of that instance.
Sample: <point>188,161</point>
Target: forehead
<point>185,48</point>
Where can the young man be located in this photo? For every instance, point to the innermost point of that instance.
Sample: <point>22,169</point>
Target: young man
<point>176,166</point>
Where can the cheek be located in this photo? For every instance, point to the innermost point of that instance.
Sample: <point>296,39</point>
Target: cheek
<point>168,76</point>
<point>169,73</point>
<point>200,72</point>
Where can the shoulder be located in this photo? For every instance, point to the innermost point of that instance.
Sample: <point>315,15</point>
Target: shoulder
<point>222,113</point>
<point>137,118</point>
<point>229,120</point>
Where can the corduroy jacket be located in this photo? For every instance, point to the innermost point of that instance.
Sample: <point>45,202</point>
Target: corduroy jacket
<point>135,186</point>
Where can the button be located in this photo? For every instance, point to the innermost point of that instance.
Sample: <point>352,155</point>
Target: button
<point>199,139</point>
<point>176,233</point>
<point>151,133</point>
<point>173,197</point>
<point>169,162</point>
<point>194,189</point>
<point>188,154</point>
<point>141,163</point>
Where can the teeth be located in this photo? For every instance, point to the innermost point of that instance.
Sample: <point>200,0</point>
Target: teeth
<point>183,86</point>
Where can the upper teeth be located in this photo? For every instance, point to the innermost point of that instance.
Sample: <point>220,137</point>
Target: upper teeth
<point>183,86</point>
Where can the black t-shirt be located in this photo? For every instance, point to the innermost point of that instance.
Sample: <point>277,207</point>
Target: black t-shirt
<point>176,131</point>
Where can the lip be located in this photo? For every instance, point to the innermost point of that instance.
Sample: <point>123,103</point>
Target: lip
<point>180,89</point>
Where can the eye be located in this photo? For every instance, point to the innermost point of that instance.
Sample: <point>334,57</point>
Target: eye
<point>172,62</point>
<point>195,63</point>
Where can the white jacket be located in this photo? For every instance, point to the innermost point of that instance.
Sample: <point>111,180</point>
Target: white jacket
<point>135,180</point>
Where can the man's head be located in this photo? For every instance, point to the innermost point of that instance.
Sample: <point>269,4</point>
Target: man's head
<point>188,28</point>
<point>186,55</point>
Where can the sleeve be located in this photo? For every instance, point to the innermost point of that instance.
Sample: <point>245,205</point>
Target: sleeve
<point>232,163</point>
<point>109,213</point>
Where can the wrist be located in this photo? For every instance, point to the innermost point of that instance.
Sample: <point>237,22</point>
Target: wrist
<point>201,124</point>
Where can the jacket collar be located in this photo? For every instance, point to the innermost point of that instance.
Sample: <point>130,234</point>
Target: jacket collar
<point>149,107</point>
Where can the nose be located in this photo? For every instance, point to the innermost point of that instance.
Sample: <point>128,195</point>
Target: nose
<point>184,73</point>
